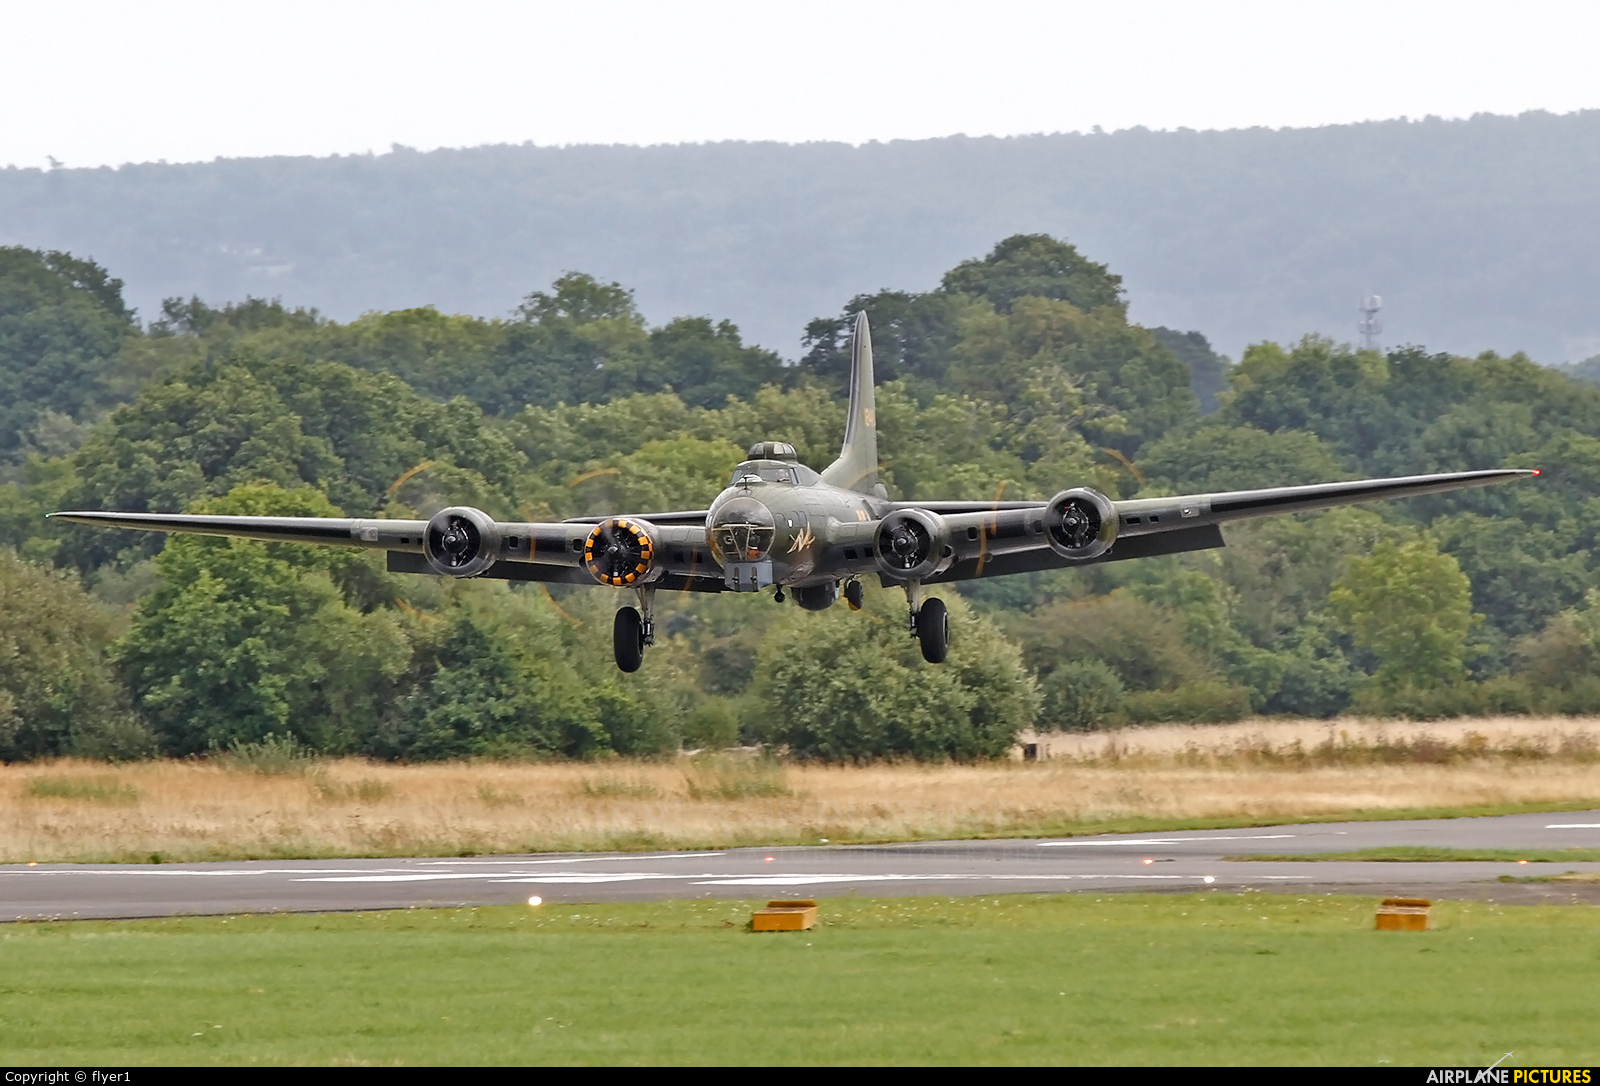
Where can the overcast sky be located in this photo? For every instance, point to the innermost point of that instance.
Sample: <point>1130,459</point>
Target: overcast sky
<point>106,83</point>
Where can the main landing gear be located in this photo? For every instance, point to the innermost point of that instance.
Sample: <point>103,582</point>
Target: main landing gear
<point>633,630</point>
<point>930,623</point>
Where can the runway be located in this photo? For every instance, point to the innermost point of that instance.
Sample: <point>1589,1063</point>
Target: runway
<point>1187,861</point>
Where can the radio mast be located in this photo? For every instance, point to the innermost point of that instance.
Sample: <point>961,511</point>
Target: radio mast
<point>1370,325</point>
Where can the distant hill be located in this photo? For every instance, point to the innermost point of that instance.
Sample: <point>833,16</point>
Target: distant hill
<point>1587,370</point>
<point>1480,234</point>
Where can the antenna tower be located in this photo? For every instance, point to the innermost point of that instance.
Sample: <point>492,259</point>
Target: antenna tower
<point>1370,326</point>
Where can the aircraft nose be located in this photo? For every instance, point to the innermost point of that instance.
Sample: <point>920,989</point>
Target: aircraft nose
<point>742,529</point>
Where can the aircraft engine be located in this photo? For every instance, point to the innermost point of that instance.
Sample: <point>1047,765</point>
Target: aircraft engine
<point>913,544</point>
<point>620,551</point>
<point>461,541</point>
<point>1081,523</point>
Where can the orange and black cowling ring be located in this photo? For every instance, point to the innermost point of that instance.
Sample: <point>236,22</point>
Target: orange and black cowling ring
<point>618,552</point>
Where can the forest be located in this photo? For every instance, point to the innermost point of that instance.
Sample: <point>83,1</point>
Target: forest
<point>1479,233</point>
<point>1019,374</point>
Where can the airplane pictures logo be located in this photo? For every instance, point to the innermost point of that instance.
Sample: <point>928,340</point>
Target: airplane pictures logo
<point>1514,1076</point>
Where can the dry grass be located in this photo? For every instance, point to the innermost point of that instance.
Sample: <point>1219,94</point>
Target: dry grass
<point>1337,742</point>
<point>1257,771</point>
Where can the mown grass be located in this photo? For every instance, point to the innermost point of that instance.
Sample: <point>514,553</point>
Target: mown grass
<point>1068,979</point>
<point>1429,854</point>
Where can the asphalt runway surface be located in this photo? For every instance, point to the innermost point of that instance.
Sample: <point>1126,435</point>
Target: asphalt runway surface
<point>1186,861</point>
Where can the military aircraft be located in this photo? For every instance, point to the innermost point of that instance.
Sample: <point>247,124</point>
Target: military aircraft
<point>781,525</point>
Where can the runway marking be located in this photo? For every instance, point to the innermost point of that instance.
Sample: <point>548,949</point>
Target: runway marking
<point>1161,840</point>
<point>505,876</point>
<point>808,880</point>
<point>585,878</point>
<point>571,859</point>
<point>1574,826</point>
<point>147,870</point>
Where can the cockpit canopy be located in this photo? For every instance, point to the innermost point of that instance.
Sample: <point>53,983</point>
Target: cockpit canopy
<point>756,472</point>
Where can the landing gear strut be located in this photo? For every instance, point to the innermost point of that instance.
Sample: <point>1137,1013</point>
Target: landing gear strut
<point>930,623</point>
<point>632,630</point>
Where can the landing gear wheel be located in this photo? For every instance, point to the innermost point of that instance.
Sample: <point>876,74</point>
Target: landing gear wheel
<point>627,639</point>
<point>933,631</point>
<point>854,594</point>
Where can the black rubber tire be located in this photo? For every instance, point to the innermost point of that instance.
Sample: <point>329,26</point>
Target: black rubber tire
<point>627,639</point>
<point>854,595</point>
<point>933,631</point>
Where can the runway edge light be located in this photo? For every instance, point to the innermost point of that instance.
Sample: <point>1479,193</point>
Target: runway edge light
<point>785,916</point>
<point>1403,914</point>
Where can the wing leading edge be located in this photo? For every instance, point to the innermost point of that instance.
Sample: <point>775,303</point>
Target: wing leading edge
<point>996,539</point>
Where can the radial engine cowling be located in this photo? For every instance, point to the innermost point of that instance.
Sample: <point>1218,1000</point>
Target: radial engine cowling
<point>1080,523</point>
<point>461,541</point>
<point>913,544</point>
<point>620,551</point>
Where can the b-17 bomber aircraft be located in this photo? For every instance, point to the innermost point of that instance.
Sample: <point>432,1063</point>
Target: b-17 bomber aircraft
<point>781,525</point>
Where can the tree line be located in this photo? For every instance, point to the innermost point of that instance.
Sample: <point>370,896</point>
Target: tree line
<point>1018,375</point>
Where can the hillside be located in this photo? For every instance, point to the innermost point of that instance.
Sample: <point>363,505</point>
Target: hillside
<point>1481,234</point>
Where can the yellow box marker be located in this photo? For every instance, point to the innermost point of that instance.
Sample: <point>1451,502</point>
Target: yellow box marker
<point>1403,914</point>
<point>785,916</point>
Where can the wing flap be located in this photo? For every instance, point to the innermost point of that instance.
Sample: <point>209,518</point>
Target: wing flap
<point>1197,538</point>
<point>407,562</point>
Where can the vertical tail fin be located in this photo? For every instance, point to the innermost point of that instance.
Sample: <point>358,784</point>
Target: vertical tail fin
<point>857,466</point>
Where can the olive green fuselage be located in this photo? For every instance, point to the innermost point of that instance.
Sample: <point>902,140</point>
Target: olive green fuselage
<point>779,523</point>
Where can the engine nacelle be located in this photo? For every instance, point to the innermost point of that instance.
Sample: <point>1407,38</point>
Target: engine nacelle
<point>912,544</point>
<point>620,551</point>
<point>1080,523</point>
<point>461,541</point>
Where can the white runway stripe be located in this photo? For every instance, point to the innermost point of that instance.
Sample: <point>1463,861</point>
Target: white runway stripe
<point>587,877</point>
<point>648,857</point>
<point>808,880</point>
<point>1161,840</point>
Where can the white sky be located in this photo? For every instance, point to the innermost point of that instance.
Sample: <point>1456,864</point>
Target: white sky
<point>94,83</point>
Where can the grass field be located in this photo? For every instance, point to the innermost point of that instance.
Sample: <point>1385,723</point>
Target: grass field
<point>1138,779</point>
<point>1215,979</point>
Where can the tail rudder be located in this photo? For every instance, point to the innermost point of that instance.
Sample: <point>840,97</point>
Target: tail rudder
<point>857,466</point>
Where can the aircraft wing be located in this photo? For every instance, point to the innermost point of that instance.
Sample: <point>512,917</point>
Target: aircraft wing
<point>530,551</point>
<point>995,540</point>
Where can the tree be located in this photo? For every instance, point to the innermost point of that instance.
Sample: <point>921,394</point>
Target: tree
<point>706,363</point>
<point>215,426</point>
<point>1215,457</point>
<point>1036,266</point>
<point>1081,696</point>
<point>243,640</point>
<point>57,695</point>
<point>1140,386</point>
<point>1208,370</point>
<point>62,326</point>
<point>1412,607</point>
<point>847,686</point>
